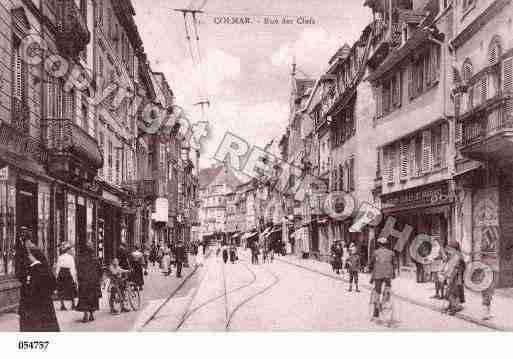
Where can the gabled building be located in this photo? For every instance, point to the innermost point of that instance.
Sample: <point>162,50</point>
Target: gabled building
<point>411,68</point>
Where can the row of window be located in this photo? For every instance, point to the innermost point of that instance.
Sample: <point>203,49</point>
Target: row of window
<point>422,73</point>
<point>422,153</point>
<point>344,125</point>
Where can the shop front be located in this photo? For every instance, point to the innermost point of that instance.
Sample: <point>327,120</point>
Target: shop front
<point>485,209</point>
<point>427,209</point>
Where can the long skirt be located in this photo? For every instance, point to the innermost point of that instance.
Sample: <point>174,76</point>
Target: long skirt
<point>66,287</point>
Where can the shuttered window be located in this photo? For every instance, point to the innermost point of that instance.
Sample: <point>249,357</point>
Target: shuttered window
<point>427,154</point>
<point>494,50</point>
<point>69,105</point>
<point>411,158</point>
<point>403,172</point>
<point>445,144</point>
<point>379,103</point>
<point>351,175</point>
<point>19,73</point>
<point>507,75</point>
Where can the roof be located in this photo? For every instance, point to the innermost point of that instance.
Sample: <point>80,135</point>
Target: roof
<point>219,174</point>
<point>396,56</point>
<point>302,85</point>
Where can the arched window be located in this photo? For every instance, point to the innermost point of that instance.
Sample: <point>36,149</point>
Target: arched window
<point>494,50</point>
<point>466,71</point>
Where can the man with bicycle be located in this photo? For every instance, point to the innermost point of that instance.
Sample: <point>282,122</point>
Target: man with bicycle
<point>383,271</point>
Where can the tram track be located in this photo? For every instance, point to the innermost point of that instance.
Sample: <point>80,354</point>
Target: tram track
<point>225,296</point>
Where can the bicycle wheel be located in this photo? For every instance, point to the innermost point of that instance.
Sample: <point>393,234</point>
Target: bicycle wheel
<point>115,299</point>
<point>134,297</point>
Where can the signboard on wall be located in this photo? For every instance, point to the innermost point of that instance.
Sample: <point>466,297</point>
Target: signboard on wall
<point>161,210</point>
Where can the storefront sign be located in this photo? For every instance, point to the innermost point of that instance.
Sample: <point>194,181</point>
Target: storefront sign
<point>161,210</point>
<point>418,197</point>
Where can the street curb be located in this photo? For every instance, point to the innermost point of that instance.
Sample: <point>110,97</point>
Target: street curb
<point>165,301</point>
<point>464,317</point>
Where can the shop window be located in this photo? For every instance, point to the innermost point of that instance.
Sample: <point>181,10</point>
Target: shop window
<point>71,220</point>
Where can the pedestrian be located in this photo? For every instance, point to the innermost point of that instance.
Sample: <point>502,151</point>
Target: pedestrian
<point>487,295</point>
<point>337,253</point>
<point>166,261</point>
<point>454,273</point>
<point>137,265</point>
<point>233,254</point>
<point>36,310</point>
<point>117,285</point>
<point>179,258</point>
<point>153,254</point>
<point>436,274</point>
<point>89,283</point>
<point>66,277</point>
<point>123,257</point>
<point>225,254</point>
<point>199,255</point>
<point>353,267</point>
<point>383,271</point>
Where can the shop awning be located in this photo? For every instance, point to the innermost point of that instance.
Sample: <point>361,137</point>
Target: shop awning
<point>249,235</point>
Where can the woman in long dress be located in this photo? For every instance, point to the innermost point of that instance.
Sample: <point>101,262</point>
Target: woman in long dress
<point>37,313</point>
<point>66,277</point>
<point>89,283</point>
<point>199,256</point>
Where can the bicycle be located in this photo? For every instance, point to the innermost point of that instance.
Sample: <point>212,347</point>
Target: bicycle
<point>127,293</point>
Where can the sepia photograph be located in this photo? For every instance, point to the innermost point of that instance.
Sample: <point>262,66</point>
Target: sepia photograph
<point>213,166</point>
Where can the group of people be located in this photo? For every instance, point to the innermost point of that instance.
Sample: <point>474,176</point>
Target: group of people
<point>165,256</point>
<point>228,252</point>
<point>259,248</point>
<point>347,258</point>
<point>39,282</point>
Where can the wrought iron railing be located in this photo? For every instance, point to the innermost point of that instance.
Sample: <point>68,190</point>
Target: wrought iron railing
<point>20,115</point>
<point>487,121</point>
<point>62,136</point>
<point>72,31</point>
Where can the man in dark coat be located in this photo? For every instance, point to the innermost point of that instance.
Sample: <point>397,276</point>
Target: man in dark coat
<point>37,313</point>
<point>383,269</point>
<point>180,258</point>
<point>123,257</point>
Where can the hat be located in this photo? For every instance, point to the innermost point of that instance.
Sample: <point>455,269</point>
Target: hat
<point>382,240</point>
<point>65,246</point>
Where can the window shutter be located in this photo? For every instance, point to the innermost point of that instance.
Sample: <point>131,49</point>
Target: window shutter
<point>18,66</point>
<point>411,157</point>
<point>403,173</point>
<point>445,144</point>
<point>459,132</point>
<point>427,153</point>
<point>476,100</point>
<point>379,101</point>
<point>410,81</point>
<point>351,175</point>
<point>507,75</point>
<point>484,89</point>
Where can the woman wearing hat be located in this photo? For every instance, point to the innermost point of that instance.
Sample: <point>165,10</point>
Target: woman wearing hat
<point>36,310</point>
<point>66,276</point>
<point>89,283</point>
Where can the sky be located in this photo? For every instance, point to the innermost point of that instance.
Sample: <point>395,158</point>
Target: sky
<point>246,68</point>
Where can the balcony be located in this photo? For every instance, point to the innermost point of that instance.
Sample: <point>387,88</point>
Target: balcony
<point>73,153</point>
<point>487,130</point>
<point>384,38</point>
<point>72,32</point>
<point>20,115</point>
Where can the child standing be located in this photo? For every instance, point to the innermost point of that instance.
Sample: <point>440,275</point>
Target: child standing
<point>353,267</point>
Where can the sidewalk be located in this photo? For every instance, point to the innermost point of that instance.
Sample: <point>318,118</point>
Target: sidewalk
<point>156,288</point>
<point>420,294</point>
